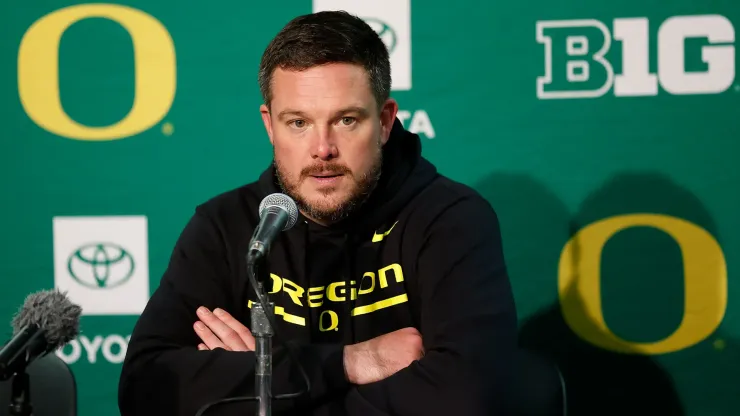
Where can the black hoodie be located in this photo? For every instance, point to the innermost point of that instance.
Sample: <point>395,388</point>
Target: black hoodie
<point>423,251</point>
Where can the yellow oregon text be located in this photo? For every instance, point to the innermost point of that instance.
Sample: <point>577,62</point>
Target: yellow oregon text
<point>337,291</point>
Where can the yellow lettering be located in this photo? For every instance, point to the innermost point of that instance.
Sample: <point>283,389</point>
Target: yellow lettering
<point>318,296</point>
<point>352,290</point>
<point>277,283</point>
<point>293,290</point>
<point>371,275</point>
<point>154,71</point>
<point>333,321</point>
<point>331,292</point>
<point>382,304</point>
<point>396,271</point>
<point>705,282</point>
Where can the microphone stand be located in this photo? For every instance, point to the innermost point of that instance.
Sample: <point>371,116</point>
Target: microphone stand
<point>20,398</point>
<point>16,358</point>
<point>262,332</point>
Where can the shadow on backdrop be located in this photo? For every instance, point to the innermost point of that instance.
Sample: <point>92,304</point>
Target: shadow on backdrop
<point>641,286</point>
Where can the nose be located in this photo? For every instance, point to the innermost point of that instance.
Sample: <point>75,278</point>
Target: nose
<point>324,146</point>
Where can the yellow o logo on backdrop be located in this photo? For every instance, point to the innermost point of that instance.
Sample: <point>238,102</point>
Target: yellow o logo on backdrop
<point>154,71</point>
<point>705,283</point>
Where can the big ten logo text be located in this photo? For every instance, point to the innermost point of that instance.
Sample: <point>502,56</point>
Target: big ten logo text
<point>704,273</point>
<point>154,71</point>
<point>695,55</point>
<point>111,348</point>
<point>336,292</point>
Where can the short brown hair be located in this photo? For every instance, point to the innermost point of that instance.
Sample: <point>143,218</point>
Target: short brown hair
<point>327,37</point>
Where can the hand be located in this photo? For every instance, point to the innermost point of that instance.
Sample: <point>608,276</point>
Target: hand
<point>381,357</point>
<point>218,329</point>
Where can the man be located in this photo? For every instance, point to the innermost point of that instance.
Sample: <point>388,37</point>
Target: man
<point>391,286</point>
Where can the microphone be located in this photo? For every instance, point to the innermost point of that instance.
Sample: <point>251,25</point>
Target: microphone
<point>278,212</point>
<point>46,321</point>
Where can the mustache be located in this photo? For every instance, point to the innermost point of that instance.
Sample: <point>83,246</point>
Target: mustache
<point>332,168</point>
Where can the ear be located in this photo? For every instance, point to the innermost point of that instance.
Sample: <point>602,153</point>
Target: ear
<point>267,121</point>
<point>387,117</point>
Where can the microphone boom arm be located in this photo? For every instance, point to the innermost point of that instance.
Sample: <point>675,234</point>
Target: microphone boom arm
<point>15,357</point>
<point>28,344</point>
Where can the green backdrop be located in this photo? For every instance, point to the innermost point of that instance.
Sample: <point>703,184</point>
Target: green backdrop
<point>605,135</point>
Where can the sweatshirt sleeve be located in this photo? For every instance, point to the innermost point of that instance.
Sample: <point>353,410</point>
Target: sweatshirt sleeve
<point>164,373</point>
<point>468,324</point>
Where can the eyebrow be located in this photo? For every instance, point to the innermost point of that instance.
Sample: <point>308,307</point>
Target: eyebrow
<point>354,109</point>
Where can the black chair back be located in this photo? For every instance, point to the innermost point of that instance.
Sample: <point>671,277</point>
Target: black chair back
<point>538,387</point>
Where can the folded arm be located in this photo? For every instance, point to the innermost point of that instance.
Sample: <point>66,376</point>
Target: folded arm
<point>468,325</point>
<point>164,371</point>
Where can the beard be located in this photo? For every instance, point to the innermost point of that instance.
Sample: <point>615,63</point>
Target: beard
<point>327,210</point>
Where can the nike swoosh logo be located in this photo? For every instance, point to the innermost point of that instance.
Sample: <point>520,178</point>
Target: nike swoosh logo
<point>379,237</point>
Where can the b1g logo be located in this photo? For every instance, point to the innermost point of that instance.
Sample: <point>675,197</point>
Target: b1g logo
<point>695,55</point>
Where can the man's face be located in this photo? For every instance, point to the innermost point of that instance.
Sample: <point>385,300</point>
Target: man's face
<point>327,135</point>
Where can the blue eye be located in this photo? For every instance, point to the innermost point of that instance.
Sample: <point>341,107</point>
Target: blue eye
<point>298,123</point>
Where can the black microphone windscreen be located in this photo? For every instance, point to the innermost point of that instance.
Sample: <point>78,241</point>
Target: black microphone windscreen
<point>53,313</point>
